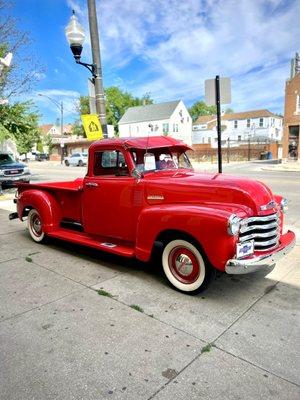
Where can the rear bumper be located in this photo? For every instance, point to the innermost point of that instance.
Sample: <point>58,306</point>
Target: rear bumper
<point>256,263</point>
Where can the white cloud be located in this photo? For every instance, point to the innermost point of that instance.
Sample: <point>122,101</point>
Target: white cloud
<point>51,99</point>
<point>181,44</point>
<point>39,75</point>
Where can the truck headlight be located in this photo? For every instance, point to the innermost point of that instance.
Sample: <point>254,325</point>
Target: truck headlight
<point>26,170</point>
<point>1,171</point>
<point>233,226</point>
<point>284,205</point>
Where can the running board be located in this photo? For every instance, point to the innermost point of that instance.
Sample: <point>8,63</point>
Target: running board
<point>85,240</point>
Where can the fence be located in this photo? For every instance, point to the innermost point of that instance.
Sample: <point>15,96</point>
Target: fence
<point>234,150</point>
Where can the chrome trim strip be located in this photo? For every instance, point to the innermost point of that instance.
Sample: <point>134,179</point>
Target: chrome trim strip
<point>253,227</point>
<point>259,235</point>
<point>238,267</point>
<point>262,219</point>
<point>265,243</point>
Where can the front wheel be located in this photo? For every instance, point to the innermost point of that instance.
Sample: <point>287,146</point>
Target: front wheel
<point>67,163</point>
<point>185,267</point>
<point>80,163</point>
<point>35,226</point>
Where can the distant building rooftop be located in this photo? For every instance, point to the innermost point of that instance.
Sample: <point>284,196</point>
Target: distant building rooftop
<point>150,112</point>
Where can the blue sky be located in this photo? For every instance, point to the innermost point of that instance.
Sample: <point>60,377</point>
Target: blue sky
<point>167,48</point>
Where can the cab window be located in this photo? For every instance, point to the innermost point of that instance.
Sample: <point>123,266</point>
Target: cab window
<point>110,162</point>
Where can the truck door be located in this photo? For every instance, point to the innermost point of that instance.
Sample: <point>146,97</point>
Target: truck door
<point>107,197</point>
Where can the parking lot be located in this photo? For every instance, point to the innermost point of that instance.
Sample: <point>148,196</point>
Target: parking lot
<point>79,324</point>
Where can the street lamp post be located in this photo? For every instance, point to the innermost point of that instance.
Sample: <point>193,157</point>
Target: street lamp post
<point>60,106</point>
<point>75,36</point>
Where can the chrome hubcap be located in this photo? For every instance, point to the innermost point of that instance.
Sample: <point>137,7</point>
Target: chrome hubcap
<point>184,264</point>
<point>36,225</point>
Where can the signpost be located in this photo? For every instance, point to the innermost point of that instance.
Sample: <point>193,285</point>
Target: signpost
<point>217,92</point>
<point>92,126</point>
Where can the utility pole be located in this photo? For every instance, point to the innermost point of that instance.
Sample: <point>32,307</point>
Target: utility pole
<point>98,81</point>
<point>218,104</point>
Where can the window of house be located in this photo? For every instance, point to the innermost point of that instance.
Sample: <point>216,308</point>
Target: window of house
<point>175,127</point>
<point>261,122</point>
<point>203,140</point>
<point>166,128</point>
<point>209,140</point>
<point>235,124</point>
<point>188,119</point>
<point>298,104</point>
<point>239,138</point>
<point>137,129</point>
<point>248,123</point>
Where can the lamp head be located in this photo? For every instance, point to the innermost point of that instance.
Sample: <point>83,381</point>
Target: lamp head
<point>74,32</point>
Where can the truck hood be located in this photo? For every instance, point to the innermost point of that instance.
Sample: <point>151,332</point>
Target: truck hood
<point>12,165</point>
<point>221,191</point>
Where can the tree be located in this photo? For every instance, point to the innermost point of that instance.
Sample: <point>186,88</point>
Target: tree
<point>19,123</point>
<point>25,70</point>
<point>117,102</point>
<point>229,110</point>
<point>200,108</point>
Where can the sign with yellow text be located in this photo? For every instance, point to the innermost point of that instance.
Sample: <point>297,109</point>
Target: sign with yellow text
<point>92,126</point>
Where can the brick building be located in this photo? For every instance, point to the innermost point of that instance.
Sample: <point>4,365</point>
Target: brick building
<point>292,113</point>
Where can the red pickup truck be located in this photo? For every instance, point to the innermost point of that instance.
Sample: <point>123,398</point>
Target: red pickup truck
<point>140,192</point>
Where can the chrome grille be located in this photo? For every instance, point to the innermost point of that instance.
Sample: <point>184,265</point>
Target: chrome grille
<point>265,231</point>
<point>13,171</point>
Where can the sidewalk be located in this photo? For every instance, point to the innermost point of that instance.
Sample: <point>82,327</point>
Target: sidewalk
<point>69,330</point>
<point>291,166</point>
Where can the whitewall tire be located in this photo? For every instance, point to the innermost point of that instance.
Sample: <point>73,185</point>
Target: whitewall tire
<point>35,226</point>
<point>185,267</point>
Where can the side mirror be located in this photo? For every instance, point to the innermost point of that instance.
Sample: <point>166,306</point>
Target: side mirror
<point>136,174</point>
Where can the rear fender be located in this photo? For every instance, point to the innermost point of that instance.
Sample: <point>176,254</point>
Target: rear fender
<point>206,225</point>
<point>45,203</point>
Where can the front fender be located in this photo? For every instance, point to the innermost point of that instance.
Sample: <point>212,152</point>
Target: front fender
<point>45,203</point>
<point>207,225</point>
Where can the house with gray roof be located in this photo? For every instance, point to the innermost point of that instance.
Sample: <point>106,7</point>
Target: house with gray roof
<point>169,119</point>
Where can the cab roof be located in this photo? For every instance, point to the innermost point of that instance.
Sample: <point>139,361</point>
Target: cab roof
<point>150,142</point>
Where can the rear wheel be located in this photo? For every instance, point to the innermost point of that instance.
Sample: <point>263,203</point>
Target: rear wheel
<point>185,267</point>
<point>67,163</point>
<point>35,226</point>
<point>80,163</point>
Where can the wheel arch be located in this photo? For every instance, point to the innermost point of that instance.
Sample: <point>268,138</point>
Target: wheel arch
<point>45,203</point>
<point>206,226</point>
<point>167,235</point>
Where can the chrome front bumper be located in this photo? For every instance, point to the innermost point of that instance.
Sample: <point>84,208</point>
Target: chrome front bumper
<point>252,264</point>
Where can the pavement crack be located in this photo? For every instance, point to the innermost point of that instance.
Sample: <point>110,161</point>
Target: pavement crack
<point>256,366</point>
<point>37,307</point>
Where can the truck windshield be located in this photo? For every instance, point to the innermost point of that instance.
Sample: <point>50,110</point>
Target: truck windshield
<point>160,159</point>
<point>6,159</point>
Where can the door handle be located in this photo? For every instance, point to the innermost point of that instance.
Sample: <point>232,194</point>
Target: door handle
<point>92,184</point>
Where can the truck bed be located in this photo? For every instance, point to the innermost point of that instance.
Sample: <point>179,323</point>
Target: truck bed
<point>72,186</point>
<point>67,193</point>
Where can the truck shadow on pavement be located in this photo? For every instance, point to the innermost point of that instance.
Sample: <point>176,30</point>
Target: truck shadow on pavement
<point>223,288</point>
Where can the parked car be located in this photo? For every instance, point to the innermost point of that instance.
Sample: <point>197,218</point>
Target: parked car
<point>141,197</point>
<point>27,156</point>
<point>77,159</point>
<point>12,171</point>
<point>41,157</point>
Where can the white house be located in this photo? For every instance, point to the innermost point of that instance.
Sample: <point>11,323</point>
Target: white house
<point>257,124</point>
<point>169,119</point>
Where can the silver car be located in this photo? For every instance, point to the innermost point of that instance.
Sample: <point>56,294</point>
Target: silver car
<point>77,159</point>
